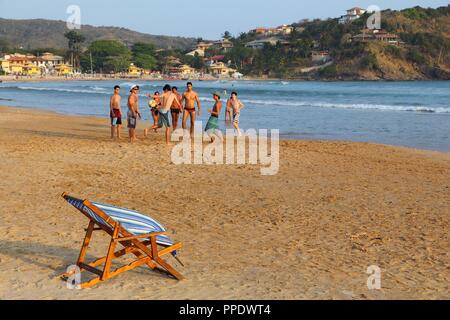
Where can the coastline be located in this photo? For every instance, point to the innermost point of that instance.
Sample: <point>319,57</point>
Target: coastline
<point>334,209</point>
<point>10,79</point>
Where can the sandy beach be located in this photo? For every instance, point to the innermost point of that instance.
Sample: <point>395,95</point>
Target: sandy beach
<point>310,232</point>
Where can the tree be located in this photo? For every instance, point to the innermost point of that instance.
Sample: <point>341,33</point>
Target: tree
<point>107,56</point>
<point>198,62</point>
<point>75,41</point>
<point>227,35</point>
<point>144,55</point>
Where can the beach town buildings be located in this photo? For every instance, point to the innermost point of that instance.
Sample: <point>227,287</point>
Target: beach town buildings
<point>30,65</point>
<point>352,14</point>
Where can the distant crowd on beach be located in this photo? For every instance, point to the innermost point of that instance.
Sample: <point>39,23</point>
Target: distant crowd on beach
<point>168,108</point>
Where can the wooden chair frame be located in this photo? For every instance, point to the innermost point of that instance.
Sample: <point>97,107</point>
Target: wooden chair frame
<point>146,251</point>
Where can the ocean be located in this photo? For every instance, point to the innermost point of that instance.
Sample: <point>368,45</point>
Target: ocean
<point>411,114</point>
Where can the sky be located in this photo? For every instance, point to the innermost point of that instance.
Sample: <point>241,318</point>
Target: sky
<point>196,18</point>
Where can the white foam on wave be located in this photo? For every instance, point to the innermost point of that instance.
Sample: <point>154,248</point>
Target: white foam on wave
<point>361,106</point>
<point>62,90</point>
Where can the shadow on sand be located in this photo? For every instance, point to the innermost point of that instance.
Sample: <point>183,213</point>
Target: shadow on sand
<point>48,256</point>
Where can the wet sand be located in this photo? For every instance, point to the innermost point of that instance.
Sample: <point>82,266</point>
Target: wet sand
<point>310,232</point>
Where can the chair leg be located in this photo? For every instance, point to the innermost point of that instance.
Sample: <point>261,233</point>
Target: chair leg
<point>163,263</point>
<point>110,255</point>
<point>87,240</point>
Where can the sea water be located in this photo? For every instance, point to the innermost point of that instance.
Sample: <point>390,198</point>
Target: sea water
<point>411,113</point>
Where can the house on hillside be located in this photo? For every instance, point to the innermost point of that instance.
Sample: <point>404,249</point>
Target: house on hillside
<point>352,14</point>
<point>200,49</point>
<point>320,56</point>
<point>196,52</point>
<point>214,59</point>
<point>369,35</point>
<point>225,45</point>
<point>281,30</point>
<point>261,43</point>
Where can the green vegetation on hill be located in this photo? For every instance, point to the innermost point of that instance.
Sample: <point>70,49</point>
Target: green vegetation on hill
<point>41,33</point>
<point>424,53</point>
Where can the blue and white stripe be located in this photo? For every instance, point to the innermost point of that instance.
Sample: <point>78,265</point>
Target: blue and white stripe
<point>134,222</point>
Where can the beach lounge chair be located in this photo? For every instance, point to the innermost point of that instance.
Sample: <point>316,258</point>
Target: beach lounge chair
<point>138,234</point>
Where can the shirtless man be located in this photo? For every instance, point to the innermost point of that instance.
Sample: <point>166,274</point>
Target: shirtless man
<point>168,101</point>
<point>191,97</point>
<point>176,109</point>
<point>236,106</point>
<point>133,112</point>
<point>115,113</point>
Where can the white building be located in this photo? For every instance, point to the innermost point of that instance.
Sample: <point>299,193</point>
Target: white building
<point>352,14</point>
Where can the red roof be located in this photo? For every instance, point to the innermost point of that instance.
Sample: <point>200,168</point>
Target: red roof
<point>217,58</point>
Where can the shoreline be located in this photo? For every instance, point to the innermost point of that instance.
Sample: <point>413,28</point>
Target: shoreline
<point>9,79</point>
<point>282,137</point>
<point>333,210</point>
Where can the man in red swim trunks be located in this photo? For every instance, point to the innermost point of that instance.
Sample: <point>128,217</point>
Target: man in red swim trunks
<point>191,97</point>
<point>115,113</point>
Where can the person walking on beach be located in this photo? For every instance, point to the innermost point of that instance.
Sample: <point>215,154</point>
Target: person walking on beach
<point>115,113</point>
<point>237,106</point>
<point>176,108</point>
<point>154,103</point>
<point>213,122</point>
<point>229,110</point>
<point>133,112</point>
<point>190,97</point>
<point>169,99</point>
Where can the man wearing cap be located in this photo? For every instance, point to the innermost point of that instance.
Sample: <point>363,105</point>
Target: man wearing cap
<point>213,122</point>
<point>133,112</point>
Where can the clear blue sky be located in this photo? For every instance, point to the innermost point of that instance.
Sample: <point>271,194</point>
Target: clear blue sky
<point>195,18</point>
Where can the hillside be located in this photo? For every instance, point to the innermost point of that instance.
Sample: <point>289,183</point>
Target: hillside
<point>422,51</point>
<point>40,33</point>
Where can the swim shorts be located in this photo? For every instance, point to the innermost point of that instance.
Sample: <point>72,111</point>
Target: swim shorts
<point>213,124</point>
<point>236,117</point>
<point>116,117</point>
<point>132,121</point>
<point>163,119</point>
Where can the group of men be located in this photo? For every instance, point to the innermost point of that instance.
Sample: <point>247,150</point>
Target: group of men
<point>170,105</point>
